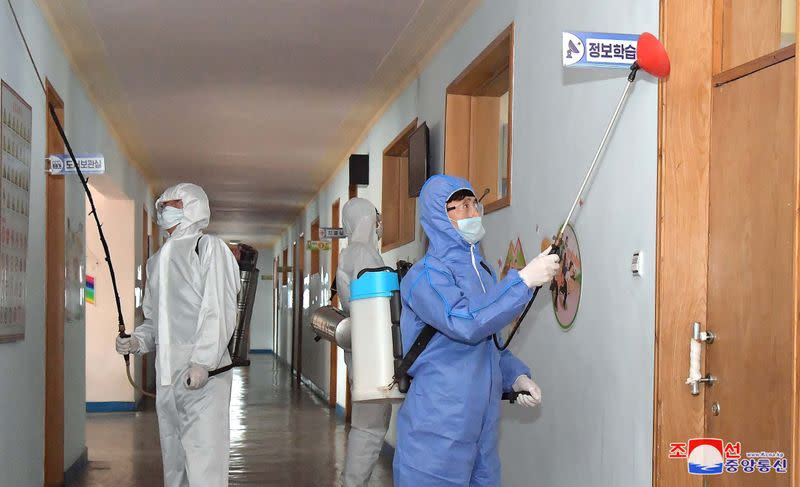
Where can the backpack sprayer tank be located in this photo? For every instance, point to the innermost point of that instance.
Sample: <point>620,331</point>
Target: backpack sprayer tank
<point>375,316</point>
<point>375,306</point>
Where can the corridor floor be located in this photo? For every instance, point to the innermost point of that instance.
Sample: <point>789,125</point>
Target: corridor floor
<point>281,435</point>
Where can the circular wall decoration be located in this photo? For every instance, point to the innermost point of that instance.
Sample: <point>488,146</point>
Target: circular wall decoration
<point>566,287</point>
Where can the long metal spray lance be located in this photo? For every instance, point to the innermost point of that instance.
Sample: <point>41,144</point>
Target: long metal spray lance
<point>600,149</point>
<point>651,57</point>
<point>556,247</point>
<point>87,190</point>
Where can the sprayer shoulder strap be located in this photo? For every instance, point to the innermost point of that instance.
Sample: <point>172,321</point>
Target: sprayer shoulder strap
<point>419,345</point>
<point>422,341</point>
<point>228,367</point>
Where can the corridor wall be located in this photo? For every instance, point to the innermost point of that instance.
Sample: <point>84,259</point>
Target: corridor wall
<point>597,378</point>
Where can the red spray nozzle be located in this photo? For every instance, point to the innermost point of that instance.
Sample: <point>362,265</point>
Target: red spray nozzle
<point>651,56</point>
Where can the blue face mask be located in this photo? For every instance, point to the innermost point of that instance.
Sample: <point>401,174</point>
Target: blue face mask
<point>169,216</point>
<point>471,229</point>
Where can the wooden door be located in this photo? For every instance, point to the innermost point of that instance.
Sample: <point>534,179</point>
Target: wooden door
<point>727,132</point>
<point>54,307</point>
<point>295,305</point>
<point>348,407</point>
<point>145,256</point>
<point>156,236</point>
<point>285,269</point>
<point>288,351</point>
<point>315,254</point>
<point>275,288</point>
<point>334,353</point>
<point>751,267</point>
<point>297,309</point>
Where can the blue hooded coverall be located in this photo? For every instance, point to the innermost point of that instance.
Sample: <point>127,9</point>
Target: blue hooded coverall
<point>447,426</point>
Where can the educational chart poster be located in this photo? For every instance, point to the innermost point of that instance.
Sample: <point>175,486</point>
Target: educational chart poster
<point>15,132</point>
<point>515,258</point>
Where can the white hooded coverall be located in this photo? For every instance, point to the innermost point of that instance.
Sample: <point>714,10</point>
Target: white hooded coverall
<point>190,310</point>
<point>370,421</point>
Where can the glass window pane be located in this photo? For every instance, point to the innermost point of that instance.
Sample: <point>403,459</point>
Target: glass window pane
<point>788,22</point>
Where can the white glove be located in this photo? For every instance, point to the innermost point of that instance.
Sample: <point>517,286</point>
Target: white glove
<point>196,377</point>
<point>525,384</point>
<point>540,270</point>
<point>128,345</point>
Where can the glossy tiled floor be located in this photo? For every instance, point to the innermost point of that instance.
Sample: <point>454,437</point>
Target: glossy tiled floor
<point>280,435</point>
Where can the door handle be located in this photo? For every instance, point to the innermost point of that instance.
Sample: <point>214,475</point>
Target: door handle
<point>695,355</point>
<point>709,380</point>
<point>706,337</point>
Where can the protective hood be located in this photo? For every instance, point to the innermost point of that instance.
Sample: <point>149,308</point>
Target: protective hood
<point>445,243</point>
<point>196,212</point>
<point>360,220</point>
<point>359,217</point>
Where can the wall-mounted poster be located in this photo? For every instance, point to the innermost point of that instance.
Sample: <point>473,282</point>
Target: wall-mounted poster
<point>515,258</point>
<point>15,132</point>
<point>566,287</point>
<point>76,245</point>
<point>89,294</point>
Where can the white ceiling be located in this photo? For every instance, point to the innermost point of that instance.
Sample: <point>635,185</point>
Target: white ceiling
<point>258,101</point>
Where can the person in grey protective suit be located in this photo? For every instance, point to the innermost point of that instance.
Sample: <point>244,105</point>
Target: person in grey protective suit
<point>370,421</point>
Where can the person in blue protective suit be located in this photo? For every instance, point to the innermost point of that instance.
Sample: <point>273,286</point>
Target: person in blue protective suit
<point>448,424</point>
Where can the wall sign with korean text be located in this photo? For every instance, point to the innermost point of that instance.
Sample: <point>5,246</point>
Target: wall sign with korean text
<point>598,50</point>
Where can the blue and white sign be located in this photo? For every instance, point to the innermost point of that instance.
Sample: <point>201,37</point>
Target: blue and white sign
<point>61,164</point>
<point>331,233</point>
<point>598,50</point>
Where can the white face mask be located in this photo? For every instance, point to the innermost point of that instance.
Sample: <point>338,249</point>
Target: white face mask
<point>471,229</point>
<point>169,216</point>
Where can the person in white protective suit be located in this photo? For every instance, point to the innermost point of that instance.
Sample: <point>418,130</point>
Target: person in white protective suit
<point>370,421</point>
<point>190,310</point>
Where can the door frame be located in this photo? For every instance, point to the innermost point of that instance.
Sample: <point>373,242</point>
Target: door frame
<point>352,192</point>
<point>288,357</point>
<point>275,290</point>
<point>146,249</point>
<point>315,266</point>
<point>334,349</point>
<point>54,303</point>
<point>155,235</point>
<point>690,31</point>
<point>298,260</point>
<point>294,310</point>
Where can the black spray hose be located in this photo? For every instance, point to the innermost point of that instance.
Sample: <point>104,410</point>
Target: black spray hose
<point>220,370</point>
<point>555,249</point>
<point>84,183</point>
<point>557,240</point>
<point>106,252</point>
<point>374,269</point>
